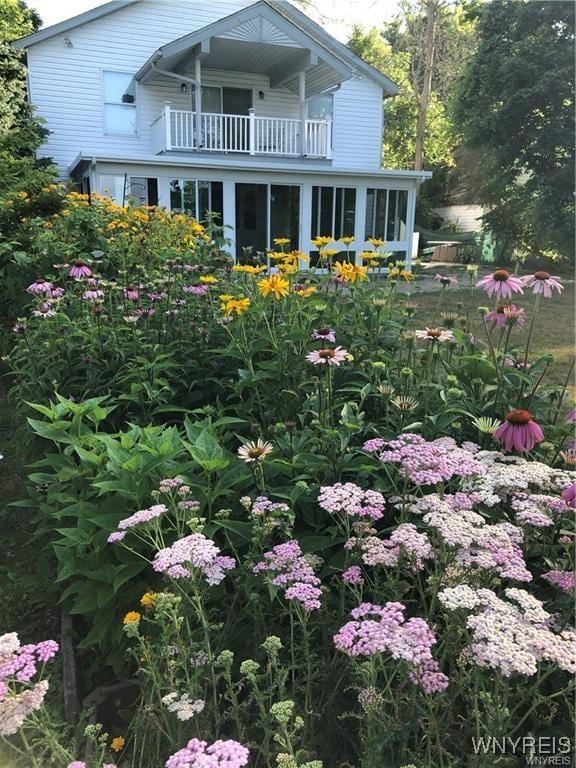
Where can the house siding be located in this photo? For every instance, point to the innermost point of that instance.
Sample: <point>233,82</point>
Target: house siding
<point>66,86</point>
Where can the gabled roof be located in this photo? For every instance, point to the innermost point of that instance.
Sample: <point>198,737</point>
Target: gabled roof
<point>76,21</point>
<point>299,26</point>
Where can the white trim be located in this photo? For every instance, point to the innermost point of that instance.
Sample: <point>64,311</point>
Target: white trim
<point>135,134</point>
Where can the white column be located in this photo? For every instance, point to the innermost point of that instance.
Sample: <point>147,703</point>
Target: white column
<point>360,222</point>
<point>252,130</point>
<point>229,206</point>
<point>163,192</point>
<point>167,125</point>
<point>302,97</point>
<point>410,215</point>
<point>305,220</point>
<point>198,95</point>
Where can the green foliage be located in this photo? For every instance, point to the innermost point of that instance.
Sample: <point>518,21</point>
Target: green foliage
<point>516,106</point>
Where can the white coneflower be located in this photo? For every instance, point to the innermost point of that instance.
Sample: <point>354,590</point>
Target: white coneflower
<point>404,403</point>
<point>255,450</point>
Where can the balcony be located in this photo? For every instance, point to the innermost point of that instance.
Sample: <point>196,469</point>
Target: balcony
<point>178,131</point>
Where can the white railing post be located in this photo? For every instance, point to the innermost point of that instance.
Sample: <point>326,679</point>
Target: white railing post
<point>167,126</point>
<point>252,130</point>
<point>329,139</point>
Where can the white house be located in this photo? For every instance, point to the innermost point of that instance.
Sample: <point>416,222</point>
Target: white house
<point>252,111</point>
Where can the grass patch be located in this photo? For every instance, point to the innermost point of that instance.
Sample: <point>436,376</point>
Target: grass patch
<point>554,331</point>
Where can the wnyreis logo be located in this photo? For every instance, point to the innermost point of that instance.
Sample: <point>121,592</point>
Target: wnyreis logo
<point>541,750</point>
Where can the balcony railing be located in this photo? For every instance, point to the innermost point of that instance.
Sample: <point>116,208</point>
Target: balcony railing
<point>177,130</point>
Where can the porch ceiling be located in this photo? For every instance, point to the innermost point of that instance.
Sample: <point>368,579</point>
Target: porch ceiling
<point>259,40</point>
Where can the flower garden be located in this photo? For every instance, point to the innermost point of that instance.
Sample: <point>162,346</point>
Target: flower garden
<point>292,522</point>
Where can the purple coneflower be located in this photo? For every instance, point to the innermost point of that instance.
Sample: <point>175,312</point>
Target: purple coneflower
<point>544,283</point>
<point>156,296</point>
<point>131,293</point>
<point>325,334</point>
<point>507,314</point>
<point>434,334</point>
<point>501,284</point>
<point>196,290</point>
<point>40,287</point>
<point>149,312</point>
<point>334,356</point>
<point>571,416</point>
<point>19,327</point>
<point>44,310</point>
<point>519,431</point>
<point>446,280</point>
<point>93,294</point>
<point>79,270</point>
<point>57,292</point>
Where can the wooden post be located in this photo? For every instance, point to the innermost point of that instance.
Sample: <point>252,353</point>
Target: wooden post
<point>252,130</point>
<point>198,94</point>
<point>302,97</point>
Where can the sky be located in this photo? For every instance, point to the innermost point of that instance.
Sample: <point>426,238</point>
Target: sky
<point>336,16</point>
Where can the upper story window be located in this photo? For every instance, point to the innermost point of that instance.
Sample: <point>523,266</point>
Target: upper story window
<point>119,103</point>
<point>321,107</point>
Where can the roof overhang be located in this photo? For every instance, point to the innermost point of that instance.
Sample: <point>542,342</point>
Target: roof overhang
<point>76,21</point>
<point>264,38</point>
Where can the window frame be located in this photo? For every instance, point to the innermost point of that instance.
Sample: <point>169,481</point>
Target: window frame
<point>135,105</point>
<point>196,181</point>
<point>334,189</point>
<point>396,223</point>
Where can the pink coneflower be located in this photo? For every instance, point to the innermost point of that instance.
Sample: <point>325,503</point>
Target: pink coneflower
<point>501,284</point>
<point>131,293</point>
<point>44,310</point>
<point>519,431</point>
<point>434,334</point>
<point>544,283</point>
<point>324,334</point>
<point>334,356</point>
<point>40,287</point>
<point>446,280</point>
<point>571,416</point>
<point>19,327</point>
<point>255,451</point>
<point>57,292</point>
<point>569,495</point>
<point>149,312</point>
<point>196,290</point>
<point>156,296</point>
<point>79,270</point>
<point>507,314</point>
<point>93,294</point>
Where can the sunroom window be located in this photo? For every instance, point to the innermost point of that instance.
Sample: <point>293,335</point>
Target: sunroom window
<point>386,214</point>
<point>119,103</point>
<point>197,198</point>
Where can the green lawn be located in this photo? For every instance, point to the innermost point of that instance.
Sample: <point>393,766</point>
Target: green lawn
<point>554,330</point>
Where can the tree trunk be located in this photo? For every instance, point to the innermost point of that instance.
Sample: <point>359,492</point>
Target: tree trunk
<point>429,51</point>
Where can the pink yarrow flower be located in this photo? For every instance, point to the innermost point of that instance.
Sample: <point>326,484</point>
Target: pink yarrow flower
<point>501,284</point>
<point>220,754</point>
<point>543,283</point>
<point>334,356</point>
<point>519,432</point>
<point>564,580</point>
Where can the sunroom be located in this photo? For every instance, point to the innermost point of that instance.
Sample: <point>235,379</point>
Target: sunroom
<point>258,83</point>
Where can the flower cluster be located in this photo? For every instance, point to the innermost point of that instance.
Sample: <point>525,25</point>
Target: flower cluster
<point>489,547</point>
<point>511,635</point>
<point>220,754</point>
<point>564,580</point>
<point>349,499</point>
<point>426,462</point>
<point>138,518</point>
<point>538,509</point>
<point>379,629</point>
<point>18,665</point>
<point>193,553</point>
<point>293,572</point>
<point>405,542</point>
<point>182,705</point>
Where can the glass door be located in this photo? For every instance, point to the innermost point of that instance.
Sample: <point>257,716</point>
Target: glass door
<point>251,220</point>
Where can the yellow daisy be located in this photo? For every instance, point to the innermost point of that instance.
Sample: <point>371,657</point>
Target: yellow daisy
<point>274,284</point>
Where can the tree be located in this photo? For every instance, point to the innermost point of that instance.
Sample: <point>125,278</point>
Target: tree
<point>20,132</point>
<point>401,112</point>
<point>516,106</point>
